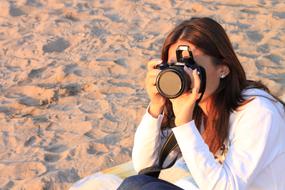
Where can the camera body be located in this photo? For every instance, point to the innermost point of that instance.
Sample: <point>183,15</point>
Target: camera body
<point>173,81</point>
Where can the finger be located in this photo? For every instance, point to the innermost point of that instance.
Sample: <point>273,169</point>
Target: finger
<point>151,76</point>
<point>150,82</point>
<point>189,71</point>
<point>153,63</point>
<point>152,91</point>
<point>153,73</point>
<point>197,82</point>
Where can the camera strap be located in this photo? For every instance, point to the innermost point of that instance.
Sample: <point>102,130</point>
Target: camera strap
<point>169,145</point>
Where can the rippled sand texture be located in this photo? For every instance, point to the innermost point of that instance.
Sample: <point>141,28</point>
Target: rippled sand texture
<point>72,77</point>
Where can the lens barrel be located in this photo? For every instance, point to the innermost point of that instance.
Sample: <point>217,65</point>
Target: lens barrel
<point>172,82</point>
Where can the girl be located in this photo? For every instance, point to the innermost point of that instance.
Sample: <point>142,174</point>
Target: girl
<point>232,139</point>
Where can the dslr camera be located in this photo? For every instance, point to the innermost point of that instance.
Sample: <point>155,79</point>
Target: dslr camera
<point>173,81</point>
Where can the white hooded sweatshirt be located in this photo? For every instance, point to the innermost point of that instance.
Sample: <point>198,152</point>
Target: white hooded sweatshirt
<point>255,158</point>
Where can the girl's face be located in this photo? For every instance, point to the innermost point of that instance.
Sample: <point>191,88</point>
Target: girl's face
<point>213,71</point>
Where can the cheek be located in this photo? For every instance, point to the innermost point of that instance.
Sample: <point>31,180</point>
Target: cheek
<point>212,81</point>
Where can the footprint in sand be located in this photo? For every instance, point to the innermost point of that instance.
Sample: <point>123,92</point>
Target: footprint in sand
<point>57,45</point>
<point>51,157</point>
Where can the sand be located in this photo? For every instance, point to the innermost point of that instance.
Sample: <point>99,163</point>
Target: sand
<point>72,77</point>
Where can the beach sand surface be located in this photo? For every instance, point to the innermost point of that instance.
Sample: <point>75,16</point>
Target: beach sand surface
<point>72,77</point>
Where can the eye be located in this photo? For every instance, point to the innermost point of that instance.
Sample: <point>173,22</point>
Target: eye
<point>172,60</point>
<point>171,63</point>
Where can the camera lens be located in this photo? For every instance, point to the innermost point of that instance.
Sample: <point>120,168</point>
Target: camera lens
<point>170,83</point>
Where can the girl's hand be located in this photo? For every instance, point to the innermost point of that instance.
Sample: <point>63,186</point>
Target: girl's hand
<point>183,106</point>
<point>156,100</point>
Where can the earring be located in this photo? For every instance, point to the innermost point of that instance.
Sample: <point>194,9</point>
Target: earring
<point>222,76</point>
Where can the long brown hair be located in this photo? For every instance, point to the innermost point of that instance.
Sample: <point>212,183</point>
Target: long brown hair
<point>210,37</point>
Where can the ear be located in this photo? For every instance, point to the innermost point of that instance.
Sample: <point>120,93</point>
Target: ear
<point>223,71</point>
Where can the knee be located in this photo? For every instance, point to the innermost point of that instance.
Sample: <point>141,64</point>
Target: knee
<point>132,182</point>
<point>131,179</point>
<point>160,186</point>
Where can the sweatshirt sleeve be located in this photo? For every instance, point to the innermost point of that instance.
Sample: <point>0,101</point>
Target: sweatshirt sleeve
<point>251,149</point>
<point>146,142</point>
